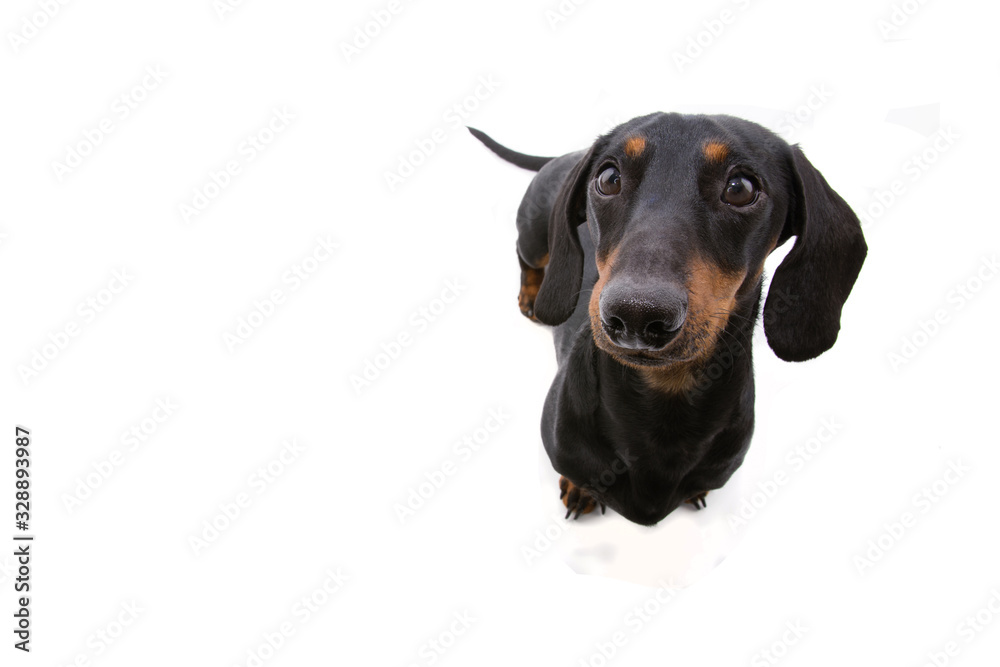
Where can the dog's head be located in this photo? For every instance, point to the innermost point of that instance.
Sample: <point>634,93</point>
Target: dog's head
<point>683,211</point>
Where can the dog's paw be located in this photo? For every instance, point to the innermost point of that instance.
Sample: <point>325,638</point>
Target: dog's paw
<point>531,281</point>
<point>698,502</point>
<point>577,500</point>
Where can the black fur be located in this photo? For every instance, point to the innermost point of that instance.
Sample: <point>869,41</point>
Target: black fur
<point>532,162</point>
<point>644,430</point>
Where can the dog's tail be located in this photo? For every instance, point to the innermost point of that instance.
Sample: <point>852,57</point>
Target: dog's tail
<point>532,162</point>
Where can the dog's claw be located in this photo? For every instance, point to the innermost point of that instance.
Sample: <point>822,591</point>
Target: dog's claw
<point>698,501</point>
<point>577,500</point>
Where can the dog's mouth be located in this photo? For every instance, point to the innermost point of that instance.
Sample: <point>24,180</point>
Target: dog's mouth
<point>678,351</point>
<point>649,360</point>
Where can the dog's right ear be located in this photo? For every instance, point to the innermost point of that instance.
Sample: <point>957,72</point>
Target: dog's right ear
<point>560,287</point>
<point>818,272</point>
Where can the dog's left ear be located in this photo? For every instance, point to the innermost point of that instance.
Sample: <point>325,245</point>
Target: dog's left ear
<point>809,288</point>
<point>560,288</point>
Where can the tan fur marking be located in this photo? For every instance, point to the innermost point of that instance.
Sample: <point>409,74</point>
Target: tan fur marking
<point>715,151</point>
<point>634,146</point>
<point>585,503</point>
<point>531,283</point>
<point>676,379</point>
<point>711,297</point>
<point>603,273</point>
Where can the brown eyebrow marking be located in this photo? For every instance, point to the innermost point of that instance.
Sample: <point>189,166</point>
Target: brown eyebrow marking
<point>715,151</point>
<point>634,146</point>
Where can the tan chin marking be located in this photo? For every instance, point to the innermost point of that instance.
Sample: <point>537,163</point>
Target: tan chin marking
<point>676,379</point>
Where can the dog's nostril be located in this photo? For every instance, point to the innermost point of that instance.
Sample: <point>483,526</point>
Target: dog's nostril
<point>614,324</point>
<point>647,319</point>
<point>658,329</point>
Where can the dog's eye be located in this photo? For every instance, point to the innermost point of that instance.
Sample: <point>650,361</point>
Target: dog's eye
<point>609,182</point>
<point>739,191</point>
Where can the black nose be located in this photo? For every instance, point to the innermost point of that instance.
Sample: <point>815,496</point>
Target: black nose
<point>642,318</point>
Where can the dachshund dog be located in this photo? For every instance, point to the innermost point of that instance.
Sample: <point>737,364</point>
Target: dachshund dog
<point>655,300</point>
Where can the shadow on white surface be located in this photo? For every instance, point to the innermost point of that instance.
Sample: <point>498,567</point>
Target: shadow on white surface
<point>677,552</point>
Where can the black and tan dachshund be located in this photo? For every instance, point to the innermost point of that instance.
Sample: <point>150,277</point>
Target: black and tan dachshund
<point>655,300</point>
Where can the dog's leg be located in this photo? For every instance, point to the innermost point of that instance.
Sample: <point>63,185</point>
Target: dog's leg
<point>532,252</point>
<point>531,280</point>
<point>533,227</point>
<point>577,499</point>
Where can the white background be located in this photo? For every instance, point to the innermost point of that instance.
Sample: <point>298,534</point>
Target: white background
<point>466,550</point>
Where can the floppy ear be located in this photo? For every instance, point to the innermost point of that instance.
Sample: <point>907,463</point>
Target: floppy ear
<point>809,288</point>
<point>560,287</point>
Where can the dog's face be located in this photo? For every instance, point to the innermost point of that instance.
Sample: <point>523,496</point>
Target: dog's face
<point>683,211</point>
